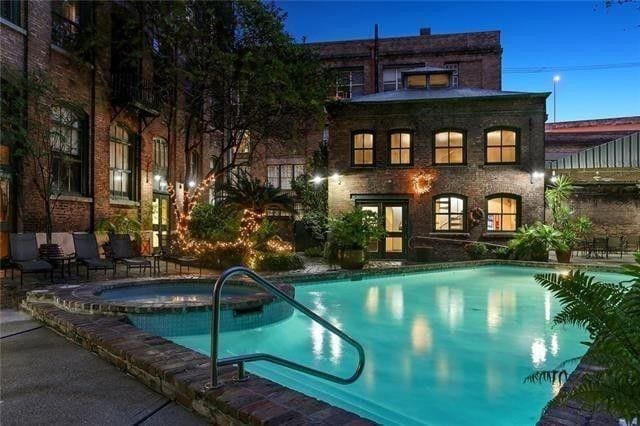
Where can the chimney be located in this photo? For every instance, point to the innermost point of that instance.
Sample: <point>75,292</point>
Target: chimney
<point>425,31</point>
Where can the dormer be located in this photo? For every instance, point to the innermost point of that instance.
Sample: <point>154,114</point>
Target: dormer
<point>426,78</point>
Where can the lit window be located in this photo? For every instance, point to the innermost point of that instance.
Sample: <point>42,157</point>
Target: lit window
<point>363,149</point>
<point>244,146</point>
<point>67,143</point>
<point>502,213</point>
<point>449,213</point>
<point>439,80</point>
<point>449,148</point>
<point>349,84</point>
<point>282,175</point>
<point>416,81</point>
<point>501,146</point>
<point>392,76</point>
<point>160,164</point>
<point>400,148</point>
<point>121,160</point>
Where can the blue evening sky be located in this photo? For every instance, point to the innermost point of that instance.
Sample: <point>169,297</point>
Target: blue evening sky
<point>533,34</point>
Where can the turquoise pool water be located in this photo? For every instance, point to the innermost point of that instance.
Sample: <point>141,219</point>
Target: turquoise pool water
<point>443,348</point>
<point>169,292</point>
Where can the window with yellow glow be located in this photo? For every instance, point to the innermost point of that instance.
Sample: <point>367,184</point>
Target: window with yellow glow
<point>418,81</point>
<point>439,80</point>
<point>502,213</point>
<point>363,149</point>
<point>449,213</point>
<point>449,148</point>
<point>501,146</point>
<point>400,148</point>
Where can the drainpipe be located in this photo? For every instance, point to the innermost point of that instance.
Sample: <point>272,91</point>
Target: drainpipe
<point>92,149</point>
<point>375,59</point>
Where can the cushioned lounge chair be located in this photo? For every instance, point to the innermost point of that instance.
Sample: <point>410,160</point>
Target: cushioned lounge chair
<point>25,256</point>
<point>122,252</point>
<point>87,254</point>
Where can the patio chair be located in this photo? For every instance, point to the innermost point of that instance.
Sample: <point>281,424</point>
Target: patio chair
<point>600,246</point>
<point>122,252</point>
<point>87,254</point>
<point>180,261</point>
<point>25,256</point>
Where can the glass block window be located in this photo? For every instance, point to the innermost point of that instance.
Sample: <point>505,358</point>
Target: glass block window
<point>449,213</point>
<point>449,148</point>
<point>66,139</point>
<point>400,148</point>
<point>502,213</point>
<point>501,145</point>
<point>362,149</point>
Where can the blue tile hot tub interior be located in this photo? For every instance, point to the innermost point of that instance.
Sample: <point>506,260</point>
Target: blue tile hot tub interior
<point>443,347</point>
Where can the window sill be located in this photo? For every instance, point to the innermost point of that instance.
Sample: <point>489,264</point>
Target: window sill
<point>14,27</point>
<point>75,198</point>
<point>501,235</point>
<point>127,203</point>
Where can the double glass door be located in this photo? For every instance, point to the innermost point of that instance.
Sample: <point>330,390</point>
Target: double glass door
<point>160,221</point>
<point>394,218</point>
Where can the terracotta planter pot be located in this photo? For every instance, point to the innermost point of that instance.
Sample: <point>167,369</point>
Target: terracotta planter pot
<point>563,256</point>
<point>352,259</point>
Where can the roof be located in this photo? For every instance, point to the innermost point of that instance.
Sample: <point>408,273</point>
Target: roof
<point>409,95</point>
<point>600,125</point>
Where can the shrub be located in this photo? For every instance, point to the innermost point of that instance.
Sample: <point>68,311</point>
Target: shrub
<point>224,257</point>
<point>501,253</point>
<point>476,250</point>
<point>314,252</point>
<point>534,242</point>
<point>263,234</point>
<point>279,262</point>
<point>354,230</point>
<point>214,222</point>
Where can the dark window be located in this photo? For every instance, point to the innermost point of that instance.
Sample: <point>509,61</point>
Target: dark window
<point>400,148</point>
<point>194,167</point>
<point>362,149</point>
<point>349,83</point>
<point>282,175</point>
<point>455,72</point>
<point>449,147</point>
<point>66,20</point>
<point>503,212</point>
<point>12,11</point>
<point>160,164</point>
<point>449,213</point>
<point>66,139</point>
<point>121,160</point>
<point>392,76</point>
<point>502,146</point>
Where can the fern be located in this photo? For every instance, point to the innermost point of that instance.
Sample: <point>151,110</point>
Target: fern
<point>610,312</point>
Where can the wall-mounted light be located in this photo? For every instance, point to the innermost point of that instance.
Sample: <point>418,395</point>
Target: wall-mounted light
<point>536,175</point>
<point>554,178</point>
<point>157,178</point>
<point>317,179</point>
<point>192,184</point>
<point>336,178</point>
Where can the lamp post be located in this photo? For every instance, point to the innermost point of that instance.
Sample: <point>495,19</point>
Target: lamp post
<point>556,80</point>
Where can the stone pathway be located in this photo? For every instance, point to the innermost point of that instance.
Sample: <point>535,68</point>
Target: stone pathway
<point>45,379</point>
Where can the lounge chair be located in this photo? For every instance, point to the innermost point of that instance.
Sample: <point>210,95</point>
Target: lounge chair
<point>87,254</point>
<point>122,252</point>
<point>25,256</point>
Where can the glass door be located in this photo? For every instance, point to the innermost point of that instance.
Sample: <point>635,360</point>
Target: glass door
<point>160,219</point>
<point>394,218</point>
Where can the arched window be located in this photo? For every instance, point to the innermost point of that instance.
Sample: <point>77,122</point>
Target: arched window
<point>68,146</point>
<point>400,148</point>
<point>501,146</point>
<point>121,163</point>
<point>449,147</point>
<point>503,212</point>
<point>449,213</point>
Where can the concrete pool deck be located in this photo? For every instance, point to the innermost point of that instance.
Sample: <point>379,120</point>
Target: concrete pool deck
<point>45,379</point>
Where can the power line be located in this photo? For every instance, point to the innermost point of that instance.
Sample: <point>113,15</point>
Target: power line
<point>534,70</point>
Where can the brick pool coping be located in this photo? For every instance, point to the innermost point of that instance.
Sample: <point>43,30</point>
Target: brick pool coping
<point>181,374</point>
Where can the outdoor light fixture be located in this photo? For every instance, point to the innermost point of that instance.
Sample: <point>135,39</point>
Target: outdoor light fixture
<point>192,184</point>
<point>536,175</point>
<point>335,176</point>
<point>157,178</point>
<point>554,178</point>
<point>317,179</point>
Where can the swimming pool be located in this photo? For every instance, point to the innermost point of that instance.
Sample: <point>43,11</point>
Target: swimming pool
<point>447,347</point>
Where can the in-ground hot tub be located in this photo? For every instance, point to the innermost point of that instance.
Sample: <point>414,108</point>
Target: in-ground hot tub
<point>244,304</point>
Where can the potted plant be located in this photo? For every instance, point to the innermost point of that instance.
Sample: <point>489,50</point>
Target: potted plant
<point>534,242</point>
<point>350,234</point>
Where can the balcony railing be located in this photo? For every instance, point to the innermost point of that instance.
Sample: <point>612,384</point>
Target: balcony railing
<point>134,91</point>
<point>64,33</point>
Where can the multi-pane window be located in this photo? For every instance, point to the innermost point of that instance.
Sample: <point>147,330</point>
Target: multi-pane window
<point>455,72</point>
<point>449,148</point>
<point>121,155</point>
<point>362,149</point>
<point>65,25</point>
<point>194,166</point>
<point>244,146</point>
<point>449,213</point>
<point>239,171</point>
<point>502,146</point>
<point>400,148</point>
<point>502,213</point>
<point>392,76</point>
<point>281,175</point>
<point>349,84</point>
<point>11,10</point>
<point>439,80</point>
<point>160,164</point>
<point>66,142</point>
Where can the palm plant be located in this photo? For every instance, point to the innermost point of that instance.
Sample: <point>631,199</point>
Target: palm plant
<point>610,312</point>
<point>246,192</point>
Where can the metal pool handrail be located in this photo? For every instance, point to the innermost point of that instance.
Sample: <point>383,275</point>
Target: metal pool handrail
<point>241,359</point>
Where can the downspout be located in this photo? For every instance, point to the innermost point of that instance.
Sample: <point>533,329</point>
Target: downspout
<point>17,169</point>
<point>375,60</point>
<point>92,148</point>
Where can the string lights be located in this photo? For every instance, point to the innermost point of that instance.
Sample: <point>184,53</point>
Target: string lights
<point>423,182</point>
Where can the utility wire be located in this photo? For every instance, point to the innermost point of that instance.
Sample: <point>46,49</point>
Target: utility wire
<point>534,70</point>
